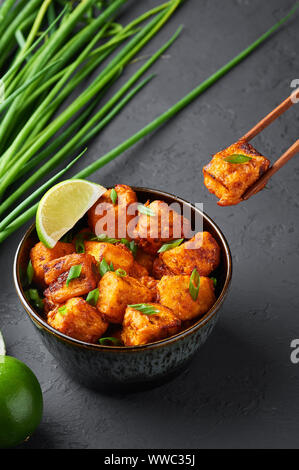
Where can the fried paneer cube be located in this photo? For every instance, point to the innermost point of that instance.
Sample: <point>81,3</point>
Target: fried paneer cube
<point>173,292</point>
<point>113,219</point>
<point>116,292</point>
<point>57,271</point>
<point>58,266</point>
<point>78,319</point>
<point>201,252</point>
<point>229,181</point>
<point>165,224</point>
<point>119,255</point>
<point>40,255</point>
<point>139,328</point>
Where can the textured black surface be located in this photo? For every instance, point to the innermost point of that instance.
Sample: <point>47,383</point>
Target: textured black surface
<point>242,389</point>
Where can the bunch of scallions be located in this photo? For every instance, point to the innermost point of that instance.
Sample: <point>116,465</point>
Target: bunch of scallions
<point>49,51</point>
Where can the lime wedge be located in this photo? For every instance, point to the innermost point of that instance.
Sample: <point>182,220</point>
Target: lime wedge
<point>62,206</point>
<point>2,346</point>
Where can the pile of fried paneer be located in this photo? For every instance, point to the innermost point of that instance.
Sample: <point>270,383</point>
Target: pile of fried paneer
<point>158,282</point>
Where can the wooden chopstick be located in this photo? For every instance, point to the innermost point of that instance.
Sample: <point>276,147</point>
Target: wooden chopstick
<point>259,127</point>
<point>266,121</point>
<point>261,183</point>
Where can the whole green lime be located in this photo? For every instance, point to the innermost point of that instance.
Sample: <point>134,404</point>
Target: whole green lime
<point>21,402</point>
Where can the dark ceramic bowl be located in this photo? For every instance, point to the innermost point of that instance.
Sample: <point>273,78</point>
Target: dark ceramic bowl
<point>121,368</point>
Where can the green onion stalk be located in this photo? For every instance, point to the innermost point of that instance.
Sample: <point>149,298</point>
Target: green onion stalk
<point>21,102</point>
<point>122,59</point>
<point>6,78</point>
<point>78,78</point>
<point>9,33</point>
<point>44,55</point>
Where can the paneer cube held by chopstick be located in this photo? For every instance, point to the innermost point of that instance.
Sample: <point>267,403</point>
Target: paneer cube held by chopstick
<point>233,170</point>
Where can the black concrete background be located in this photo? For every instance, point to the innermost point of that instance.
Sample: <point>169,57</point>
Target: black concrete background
<point>242,389</point>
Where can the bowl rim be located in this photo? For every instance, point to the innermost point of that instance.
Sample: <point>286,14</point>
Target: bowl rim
<point>130,349</point>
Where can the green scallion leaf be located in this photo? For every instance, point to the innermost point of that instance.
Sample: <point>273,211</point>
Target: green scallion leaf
<point>125,242</point>
<point>145,210</point>
<point>121,272</point>
<point>237,158</point>
<point>133,248</point>
<point>20,38</point>
<point>110,339</point>
<point>93,297</point>
<point>169,246</point>
<point>104,239</point>
<point>146,309</point>
<point>51,17</point>
<point>113,196</point>
<point>30,273</point>
<point>34,298</point>
<point>62,310</point>
<point>104,267</point>
<point>194,284</point>
<point>214,281</point>
<point>74,273</point>
<point>79,243</point>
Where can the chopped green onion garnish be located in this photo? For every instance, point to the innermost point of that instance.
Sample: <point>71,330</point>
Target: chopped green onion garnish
<point>74,273</point>
<point>103,238</point>
<point>194,284</point>
<point>79,243</point>
<point>214,281</point>
<point>33,296</point>
<point>93,297</point>
<point>237,158</point>
<point>125,242</point>
<point>121,272</point>
<point>145,210</point>
<point>30,273</point>
<point>133,248</point>
<point>169,246</point>
<point>113,196</point>
<point>62,310</point>
<point>146,309</point>
<point>104,267</point>
<point>130,245</point>
<point>110,339</point>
